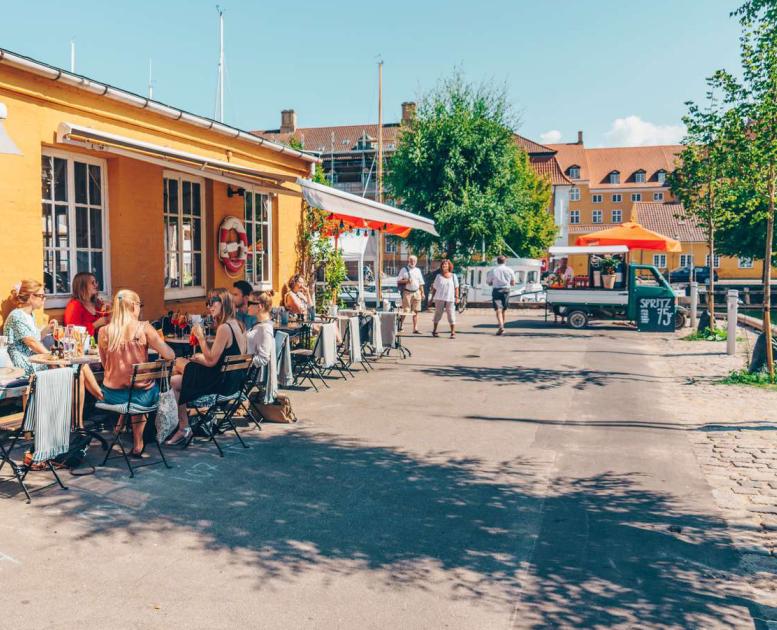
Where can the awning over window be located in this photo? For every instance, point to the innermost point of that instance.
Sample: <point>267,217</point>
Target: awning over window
<point>358,212</point>
<point>191,163</point>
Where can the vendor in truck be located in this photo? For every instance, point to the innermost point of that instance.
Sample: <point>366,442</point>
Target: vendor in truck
<point>565,273</point>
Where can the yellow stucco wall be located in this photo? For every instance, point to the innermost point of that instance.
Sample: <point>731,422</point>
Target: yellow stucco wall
<point>36,107</point>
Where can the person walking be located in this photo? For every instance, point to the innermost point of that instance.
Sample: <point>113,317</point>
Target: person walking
<point>411,284</point>
<point>500,279</point>
<point>445,294</point>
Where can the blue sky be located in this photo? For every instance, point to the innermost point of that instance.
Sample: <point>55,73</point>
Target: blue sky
<point>620,71</point>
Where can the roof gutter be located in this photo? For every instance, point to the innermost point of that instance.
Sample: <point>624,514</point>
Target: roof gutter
<point>128,98</point>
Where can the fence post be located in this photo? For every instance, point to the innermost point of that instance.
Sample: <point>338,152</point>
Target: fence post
<point>694,303</point>
<point>732,307</point>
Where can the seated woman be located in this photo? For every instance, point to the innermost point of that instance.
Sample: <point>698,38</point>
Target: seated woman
<point>84,308</point>
<point>202,374</point>
<point>297,300</point>
<point>24,338</point>
<point>123,343</point>
<point>260,337</point>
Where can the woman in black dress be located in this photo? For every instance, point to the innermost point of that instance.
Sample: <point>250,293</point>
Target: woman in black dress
<point>202,374</point>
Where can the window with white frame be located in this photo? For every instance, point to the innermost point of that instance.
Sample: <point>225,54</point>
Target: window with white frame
<point>636,196</point>
<point>574,194</point>
<point>617,216</point>
<point>574,172</point>
<point>639,177</point>
<point>745,262</point>
<point>596,216</point>
<point>659,261</point>
<point>686,260</point>
<point>596,198</point>
<point>661,177</point>
<point>617,198</point>
<point>391,246</point>
<point>574,216</point>
<point>258,222</point>
<point>74,221</point>
<point>184,243</point>
<point>717,261</point>
<point>614,177</point>
<point>658,196</point>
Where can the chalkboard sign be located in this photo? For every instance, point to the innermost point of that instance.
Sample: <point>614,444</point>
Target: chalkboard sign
<point>655,314</point>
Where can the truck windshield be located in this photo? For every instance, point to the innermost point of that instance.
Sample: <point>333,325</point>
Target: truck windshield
<point>649,277</point>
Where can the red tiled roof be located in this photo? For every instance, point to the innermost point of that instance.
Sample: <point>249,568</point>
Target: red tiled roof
<point>668,219</point>
<point>596,164</point>
<point>530,146</point>
<point>547,166</point>
<point>587,228</point>
<point>319,139</point>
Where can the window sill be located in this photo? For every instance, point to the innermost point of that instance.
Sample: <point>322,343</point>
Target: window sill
<point>183,294</point>
<point>59,301</point>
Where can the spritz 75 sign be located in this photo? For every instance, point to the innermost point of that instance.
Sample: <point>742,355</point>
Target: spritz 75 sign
<point>655,314</point>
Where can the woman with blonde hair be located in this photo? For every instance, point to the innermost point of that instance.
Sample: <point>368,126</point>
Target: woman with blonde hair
<point>202,374</point>
<point>123,343</point>
<point>85,308</point>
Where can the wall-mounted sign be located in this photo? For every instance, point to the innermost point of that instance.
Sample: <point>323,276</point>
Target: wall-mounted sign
<point>232,245</point>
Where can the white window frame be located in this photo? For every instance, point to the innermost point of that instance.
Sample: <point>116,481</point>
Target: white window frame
<point>267,284</point>
<point>636,197</point>
<point>574,217</point>
<point>614,178</point>
<point>639,177</point>
<point>59,300</point>
<point>659,261</point>
<point>686,260</point>
<point>596,198</point>
<point>707,261</point>
<point>658,196</point>
<point>391,246</point>
<point>597,214</point>
<point>617,198</point>
<point>574,172</point>
<point>661,177</point>
<point>574,193</point>
<point>620,216</point>
<point>744,262</point>
<point>180,293</point>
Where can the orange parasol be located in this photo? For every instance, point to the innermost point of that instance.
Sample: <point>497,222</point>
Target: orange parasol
<point>633,236</point>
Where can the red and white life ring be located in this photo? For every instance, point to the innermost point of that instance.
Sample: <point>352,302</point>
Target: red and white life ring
<point>232,252</point>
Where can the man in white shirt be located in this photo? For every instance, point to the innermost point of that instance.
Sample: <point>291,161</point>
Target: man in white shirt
<point>500,279</point>
<point>411,285</point>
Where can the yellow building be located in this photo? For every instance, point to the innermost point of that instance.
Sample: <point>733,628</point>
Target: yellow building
<point>94,178</point>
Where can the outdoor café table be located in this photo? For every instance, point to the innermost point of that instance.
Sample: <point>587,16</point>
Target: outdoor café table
<point>181,345</point>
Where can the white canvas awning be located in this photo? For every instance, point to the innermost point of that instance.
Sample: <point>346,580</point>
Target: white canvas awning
<point>361,212</point>
<point>167,157</point>
<point>571,250</point>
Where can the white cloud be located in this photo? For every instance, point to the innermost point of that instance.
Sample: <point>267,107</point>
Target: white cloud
<point>633,131</point>
<point>550,137</point>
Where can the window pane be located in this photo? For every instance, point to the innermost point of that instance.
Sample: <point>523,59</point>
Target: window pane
<point>173,195</point>
<point>249,206</point>
<point>48,271</point>
<point>196,202</point>
<point>61,227</point>
<point>265,208</point>
<point>46,177</point>
<point>60,179</point>
<point>196,236</point>
<point>187,198</point>
<point>61,271</point>
<point>171,271</point>
<point>96,228</point>
<point>95,186</point>
<point>82,227</point>
<point>46,225</point>
<point>97,267</point>
<point>197,270</point>
<point>186,235</point>
<point>250,266</point>
<point>171,234</point>
<point>187,269</point>
<point>165,200</point>
<point>79,173</point>
<point>265,258</point>
<point>82,262</point>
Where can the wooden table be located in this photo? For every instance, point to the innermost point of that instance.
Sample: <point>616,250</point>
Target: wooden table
<point>46,358</point>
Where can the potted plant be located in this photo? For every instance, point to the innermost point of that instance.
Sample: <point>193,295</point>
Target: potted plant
<point>608,266</point>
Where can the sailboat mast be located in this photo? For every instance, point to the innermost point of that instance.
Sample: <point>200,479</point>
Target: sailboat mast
<point>220,112</point>
<point>381,245</point>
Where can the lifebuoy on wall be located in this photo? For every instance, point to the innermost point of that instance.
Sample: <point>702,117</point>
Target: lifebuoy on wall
<point>233,245</point>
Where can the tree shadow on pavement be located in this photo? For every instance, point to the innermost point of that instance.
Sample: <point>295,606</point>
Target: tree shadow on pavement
<point>608,551</point>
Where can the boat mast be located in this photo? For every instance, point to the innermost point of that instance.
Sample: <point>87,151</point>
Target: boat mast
<point>220,87</point>
<point>379,275</point>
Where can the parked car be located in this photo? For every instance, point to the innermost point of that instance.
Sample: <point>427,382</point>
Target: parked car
<point>683,274</point>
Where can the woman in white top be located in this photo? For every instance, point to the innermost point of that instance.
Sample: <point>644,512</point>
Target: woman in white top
<point>445,294</point>
<point>261,336</point>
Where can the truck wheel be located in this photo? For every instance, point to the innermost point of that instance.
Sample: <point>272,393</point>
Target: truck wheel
<point>577,319</point>
<point>679,320</point>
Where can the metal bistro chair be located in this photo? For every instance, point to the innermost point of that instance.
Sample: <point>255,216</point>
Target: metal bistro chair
<point>254,388</point>
<point>344,360</point>
<point>20,471</point>
<point>365,334</point>
<point>213,413</point>
<point>141,373</point>
<point>305,365</point>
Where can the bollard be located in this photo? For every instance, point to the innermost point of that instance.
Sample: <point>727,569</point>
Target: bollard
<point>732,308</point>
<point>694,303</point>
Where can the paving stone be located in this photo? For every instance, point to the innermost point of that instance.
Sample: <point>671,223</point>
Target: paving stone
<point>763,509</point>
<point>744,490</point>
<point>763,500</point>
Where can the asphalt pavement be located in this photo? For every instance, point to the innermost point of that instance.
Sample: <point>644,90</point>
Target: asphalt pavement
<point>535,480</point>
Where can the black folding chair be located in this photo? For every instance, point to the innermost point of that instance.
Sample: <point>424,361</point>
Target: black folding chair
<point>305,365</point>
<point>19,472</point>
<point>142,373</point>
<point>213,413</point>
<point>254,388</point>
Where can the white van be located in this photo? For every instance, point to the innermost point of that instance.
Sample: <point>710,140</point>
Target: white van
<point>527,281</point>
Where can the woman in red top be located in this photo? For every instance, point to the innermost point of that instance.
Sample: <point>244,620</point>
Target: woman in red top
<point>84,309</point>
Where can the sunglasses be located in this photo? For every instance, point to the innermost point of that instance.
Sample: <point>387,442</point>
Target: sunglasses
<point>252,303</point>
<point>214,300</point>
<point>42,296</point>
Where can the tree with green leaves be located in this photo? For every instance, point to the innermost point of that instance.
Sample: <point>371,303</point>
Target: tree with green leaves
<point>458,163</point>
<point>699,181</point>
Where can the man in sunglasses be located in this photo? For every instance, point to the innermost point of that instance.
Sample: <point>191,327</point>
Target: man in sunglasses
<point>240,292</point>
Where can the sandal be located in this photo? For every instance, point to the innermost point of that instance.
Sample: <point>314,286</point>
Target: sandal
<point>135,455</point>
<point>180,437</point>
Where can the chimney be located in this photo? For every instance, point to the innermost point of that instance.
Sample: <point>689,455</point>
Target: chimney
<point>288,121</point>
<point>579,136</point>
<point>408,112</point>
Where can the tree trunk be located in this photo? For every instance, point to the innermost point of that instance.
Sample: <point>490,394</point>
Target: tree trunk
<point>711,284</point>
<point>767,276</point>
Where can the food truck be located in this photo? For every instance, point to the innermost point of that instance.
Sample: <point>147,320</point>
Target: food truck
<point>613,289</point>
